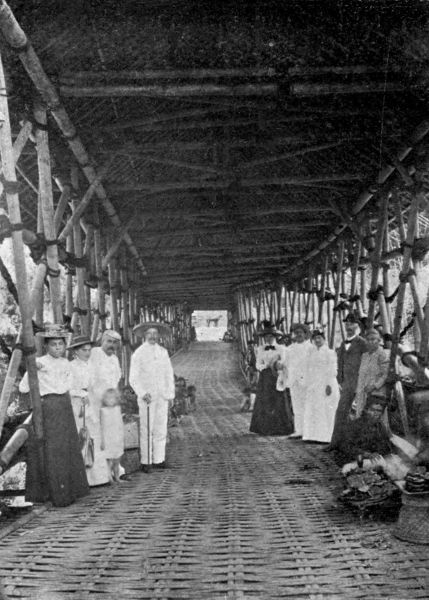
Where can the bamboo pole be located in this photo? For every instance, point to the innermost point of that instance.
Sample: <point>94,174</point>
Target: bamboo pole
<point>404,277</point>
<point>412,278</point>
<point>114,295</point>
<point>169,91</point>
<point>18,40</point>
<point>62,205</point>
<point>80,207</point>
<point>386,282</point>
<point>124,316</point>
<point>80,310</point>
<point>47,211</point>
<point>337,291</point>
<point>12,198</point>
<point>323,287</point>
<point>376,257</point>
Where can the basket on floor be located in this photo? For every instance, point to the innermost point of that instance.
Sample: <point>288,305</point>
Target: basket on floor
<point>413,522</point>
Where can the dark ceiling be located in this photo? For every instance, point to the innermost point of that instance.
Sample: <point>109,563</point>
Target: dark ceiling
<point>237,136</point>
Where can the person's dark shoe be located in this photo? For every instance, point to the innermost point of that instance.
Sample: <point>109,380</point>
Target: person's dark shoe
<point>328,448</point>
<point>161,465</point>
<point>145,468</point>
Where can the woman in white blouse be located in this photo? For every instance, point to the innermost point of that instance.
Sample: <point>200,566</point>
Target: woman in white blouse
<point>64,478</point>
<point>84,403</point>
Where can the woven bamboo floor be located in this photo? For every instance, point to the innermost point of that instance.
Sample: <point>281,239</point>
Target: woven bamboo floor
<point>237,516</point>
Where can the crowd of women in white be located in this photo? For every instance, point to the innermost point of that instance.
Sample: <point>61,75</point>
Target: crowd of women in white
<point>309,370</point>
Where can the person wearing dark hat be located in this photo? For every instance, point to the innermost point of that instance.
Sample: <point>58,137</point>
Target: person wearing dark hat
<point>64,479</point>
<point>84,407</point>
<point>296,367</point>
<point>79,352</point>
<point>322,390</point>
<point>152,378</point>
<point>349,359</point>
<point>269,415</point>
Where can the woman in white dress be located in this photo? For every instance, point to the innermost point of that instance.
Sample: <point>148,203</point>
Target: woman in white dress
<point>83,400</point>
<point>323,391</point>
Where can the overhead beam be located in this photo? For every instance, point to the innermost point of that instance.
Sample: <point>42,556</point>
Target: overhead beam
<point>169,90</point>
<point>167,74</point>
<point>221,248</point>
<point>224,184</point>
<point>17,39</point>
<point>215,213</point>
<point>224,228</point>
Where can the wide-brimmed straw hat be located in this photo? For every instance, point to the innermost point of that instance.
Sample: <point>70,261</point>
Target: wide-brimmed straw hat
<point>53,330</point>
<point>163,328</point>
<point>80,340</point>
<point>267,328</point>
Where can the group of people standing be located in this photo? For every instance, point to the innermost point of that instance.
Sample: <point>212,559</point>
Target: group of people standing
<point>309,391</point>
<point>83,395</point>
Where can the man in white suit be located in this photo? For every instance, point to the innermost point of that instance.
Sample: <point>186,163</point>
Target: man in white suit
<point>152,378</point>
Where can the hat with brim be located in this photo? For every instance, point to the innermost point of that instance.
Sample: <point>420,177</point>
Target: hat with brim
<point>351,318</point>
<point>303,326</point>
<point>80,340</point>
<point>53,331</point>
<point>268,328</point>
<point>141,329</point>
<point>112,334</point>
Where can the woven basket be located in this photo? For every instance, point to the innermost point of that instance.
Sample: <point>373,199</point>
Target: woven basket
<point>413,522</point>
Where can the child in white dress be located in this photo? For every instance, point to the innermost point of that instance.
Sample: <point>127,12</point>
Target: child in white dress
<point>112,431</point>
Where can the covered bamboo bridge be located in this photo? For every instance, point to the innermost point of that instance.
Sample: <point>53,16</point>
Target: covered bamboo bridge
<point>266,158</point>
<point>234,517</point>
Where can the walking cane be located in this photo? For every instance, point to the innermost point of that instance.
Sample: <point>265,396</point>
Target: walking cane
<point>149,464</point>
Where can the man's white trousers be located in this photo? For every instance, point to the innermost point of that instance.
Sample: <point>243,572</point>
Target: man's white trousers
<point>157,431</point>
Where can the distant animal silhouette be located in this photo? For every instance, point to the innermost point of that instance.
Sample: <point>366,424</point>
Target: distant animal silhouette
<point>214,320</point>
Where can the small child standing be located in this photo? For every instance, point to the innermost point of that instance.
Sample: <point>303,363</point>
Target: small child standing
<point>112,431</point>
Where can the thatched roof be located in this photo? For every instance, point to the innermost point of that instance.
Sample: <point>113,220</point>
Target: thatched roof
<point>238,136</point>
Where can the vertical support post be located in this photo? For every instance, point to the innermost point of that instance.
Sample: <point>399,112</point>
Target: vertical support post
<point>376,259</point>
<point>337,291</point>
<point>47,210</point>
<point>80,311</point>
<point>12,198</point>
<point>323,288</point>
<point>69,281</point>
<point>124,316</point>
<point>114,294</point>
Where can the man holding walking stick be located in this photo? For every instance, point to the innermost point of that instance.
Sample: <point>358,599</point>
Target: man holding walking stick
<point>152,378</point>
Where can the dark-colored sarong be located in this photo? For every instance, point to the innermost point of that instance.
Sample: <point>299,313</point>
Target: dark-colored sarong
<point>65,477</point>
<point>270,415</point>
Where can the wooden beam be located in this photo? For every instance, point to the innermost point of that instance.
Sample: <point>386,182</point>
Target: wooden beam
<point>116,243</point>
<point>167,74</point>
<point>79,208</point>
<point>47,211</point>
<point>224,228</point>
<point>169,90</point>
<point>13,206</point>
<point>326,89</point>
<point>17,39</point>
<point>219,249</point>
<point>419,133</point>
<point>192,214</point>
<point>224,184</point>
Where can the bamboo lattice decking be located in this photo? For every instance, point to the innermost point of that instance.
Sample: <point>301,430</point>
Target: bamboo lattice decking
<point>237,516</point>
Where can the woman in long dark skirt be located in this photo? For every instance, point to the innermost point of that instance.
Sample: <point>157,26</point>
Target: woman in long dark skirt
<point>270,415</point>
<point>64,479</point>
